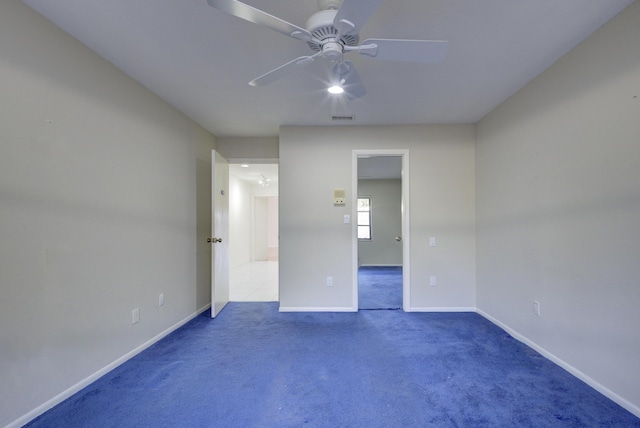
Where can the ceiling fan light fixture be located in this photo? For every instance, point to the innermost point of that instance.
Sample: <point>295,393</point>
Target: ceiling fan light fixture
<point>264,181</point>
<point>331,33</point>
<point>335,89</point>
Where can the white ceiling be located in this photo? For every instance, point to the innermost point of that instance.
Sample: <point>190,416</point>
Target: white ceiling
<point>252,173</point>
<point>199,59</point>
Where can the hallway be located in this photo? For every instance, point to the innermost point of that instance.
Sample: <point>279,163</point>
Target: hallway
<point>254,282</point>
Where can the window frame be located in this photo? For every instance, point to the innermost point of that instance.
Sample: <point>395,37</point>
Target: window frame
<point>369,212</point>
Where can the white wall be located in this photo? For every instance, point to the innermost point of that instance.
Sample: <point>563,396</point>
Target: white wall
<point>386,223</point>
<point>240,221</point>
<point>260,229</point>
<point>251,211</point>
<point>265,228</point>
<point>103,205</point>
<point>558,174</point>
<point>273,238</point>
<point>314,242</point>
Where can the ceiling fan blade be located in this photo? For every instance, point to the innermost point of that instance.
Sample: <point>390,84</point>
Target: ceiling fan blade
<point>283,70</point>
<point>353,14</point>
<point>425,51</point>
<point>256,16</point>
<point>349,80</point>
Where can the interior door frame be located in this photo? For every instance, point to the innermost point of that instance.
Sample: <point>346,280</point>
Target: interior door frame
<point>406,233</point>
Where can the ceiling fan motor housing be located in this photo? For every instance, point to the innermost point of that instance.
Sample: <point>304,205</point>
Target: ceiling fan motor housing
<point>320,25</point>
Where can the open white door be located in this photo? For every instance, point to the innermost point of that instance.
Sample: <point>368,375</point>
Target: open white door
<point>220,233</point>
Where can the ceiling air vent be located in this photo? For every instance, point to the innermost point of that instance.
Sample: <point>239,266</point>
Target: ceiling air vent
<point>343,118</point>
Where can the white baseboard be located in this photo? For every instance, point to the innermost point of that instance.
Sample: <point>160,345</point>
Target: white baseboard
<point>315,309</point>
<point>97,375</point>
<point>442,309</point>
<point>568,367</point>
<point>379,265</point>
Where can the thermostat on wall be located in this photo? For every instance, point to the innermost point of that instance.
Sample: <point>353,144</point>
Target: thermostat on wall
<point>339,197</point>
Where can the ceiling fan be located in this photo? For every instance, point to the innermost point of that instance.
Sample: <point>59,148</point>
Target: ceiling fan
<point>333,32</point>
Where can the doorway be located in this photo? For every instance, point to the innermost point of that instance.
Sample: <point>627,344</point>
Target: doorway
<point>381,237</point>
<point>253,224</point>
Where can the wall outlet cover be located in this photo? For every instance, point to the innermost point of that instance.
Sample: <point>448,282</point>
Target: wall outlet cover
<point>135,316</point>
<point>536,307</point>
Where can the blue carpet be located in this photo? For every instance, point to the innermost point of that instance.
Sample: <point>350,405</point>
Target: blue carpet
<point>255,367</point>
<point>380,287</point>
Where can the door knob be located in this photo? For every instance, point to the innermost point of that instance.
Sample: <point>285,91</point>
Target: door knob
<point>398,238</point>
<point>214,240</point>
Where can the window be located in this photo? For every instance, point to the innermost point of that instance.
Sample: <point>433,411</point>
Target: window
<point>364,218</point>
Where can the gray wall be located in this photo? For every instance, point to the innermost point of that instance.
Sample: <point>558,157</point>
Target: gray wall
<point>386,223</point>
<point>315,243</point>
<point>238,149</point>
<point>558,213</point>
<point>104,204</point>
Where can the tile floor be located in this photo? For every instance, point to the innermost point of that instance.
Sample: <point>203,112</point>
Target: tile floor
<point>254,282</point>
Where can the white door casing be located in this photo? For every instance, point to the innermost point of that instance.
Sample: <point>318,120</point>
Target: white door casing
<point>406,233</point>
